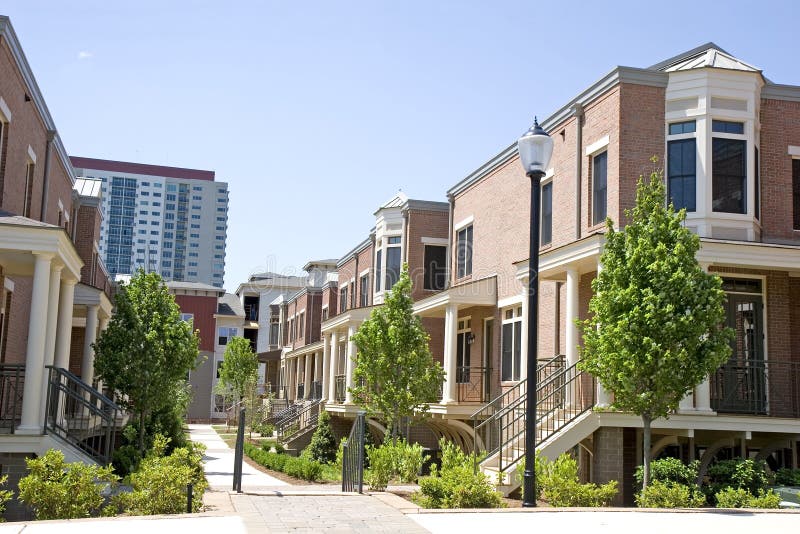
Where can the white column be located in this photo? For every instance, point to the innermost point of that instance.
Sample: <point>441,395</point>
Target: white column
<point>297,373</point>
<point>307,377</point>
<point>334,360</point>
<point>288,371</point>
<point>64,330</point>
<point>571,329</point>
<point>703,397</point>
<point>34,392</point>
<point>351,363</point>
<point>325,375</point>
<point>52,314</point>
<point>87,364</point>
<point>450,358</point>
<point>603,396</point>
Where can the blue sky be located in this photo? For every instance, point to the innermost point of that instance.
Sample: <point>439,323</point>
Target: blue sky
<point>316,112</point>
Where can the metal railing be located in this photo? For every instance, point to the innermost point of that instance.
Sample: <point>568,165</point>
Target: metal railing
<point>757,387</point>
<point>301,391</point>
<point>353,456</point>
<point>316,390</point>
<point>473,384</point>
<point>304,419</point>
<point>80,415</point>
<point>12,381</point>
<point>341,388</point>
<point>561,397</point>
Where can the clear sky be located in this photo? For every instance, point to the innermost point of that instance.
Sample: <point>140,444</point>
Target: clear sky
<point>316,112</point>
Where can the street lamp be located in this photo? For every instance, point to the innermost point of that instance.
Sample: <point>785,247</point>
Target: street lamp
<point>535,148</point>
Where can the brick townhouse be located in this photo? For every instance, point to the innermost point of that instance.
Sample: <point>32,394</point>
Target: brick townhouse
<point>54,288</point>
<point>728,140</point>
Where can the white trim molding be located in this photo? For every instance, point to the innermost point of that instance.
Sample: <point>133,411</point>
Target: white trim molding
<point>5,112</point>
<point>597,146</point>
<point>794,151</point>
<point>463,223</point>
<point>435,241</point>
<point>31,154</point>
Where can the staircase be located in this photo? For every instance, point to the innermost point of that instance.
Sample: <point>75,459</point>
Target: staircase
<point>297,424</point>
<point>565,396</point>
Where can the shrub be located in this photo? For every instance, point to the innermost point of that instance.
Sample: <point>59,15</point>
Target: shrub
<point>660,494</point>
<point>160,483</point>
<point>323,443</point>
<point>670,470</point>
<point>539,471</point>
<point>296,467</point>
<point>787,477</point>
<point>747,474</point>
<point>741,498</point>
<point>381,467</point>
<point>265,429</point>
<point>59,490</point>
<point>5,496</point>
<point>456,484</point>
<point>557,482</point>
<point>407,460</point>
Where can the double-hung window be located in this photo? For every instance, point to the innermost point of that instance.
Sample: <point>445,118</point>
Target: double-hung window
<point>682,166</point>
<point>729,168</point>
<point>511,345</point>
<point>599,187</point>
<point>547,214</point>
<point>363,291</point>
<point>464,252</point>
<point>343,299</point>
<point>393,260</point>
<point>225,333</point>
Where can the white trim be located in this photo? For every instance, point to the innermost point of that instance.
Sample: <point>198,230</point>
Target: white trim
<point>463,223</point>
<point>8,284</point>
<point>31,154</point>
<point>61,205</point>
<point>794,151</point>
<point>509,301</point>
<point>363,273</point>
<point>597,146</point>
<point>5,111</point>
<point>549,173</point>
<point>435,241</point>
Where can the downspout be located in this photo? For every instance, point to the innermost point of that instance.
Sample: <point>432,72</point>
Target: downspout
<point>451,200</point>
<point>51,134</point>
<point>356,279</point>
<point>578,113</point>
<point>405,235</point>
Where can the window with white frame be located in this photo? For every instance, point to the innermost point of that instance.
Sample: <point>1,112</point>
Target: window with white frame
<point>274,330</point>
<point>682,165</point>
<point>188,317</point>
<point>728,167</point>
<point>546,225</point>
<point>30,173</point>
<point>363,289</point>
<point>599,187</point>
<point>464,252</point>
<point>224,333</point>
<point>301,325</point>
<point>378,270</point>
<point>511,344</point>
<point>393,260</point>
<point>343,299</point>
<point>435,267</point>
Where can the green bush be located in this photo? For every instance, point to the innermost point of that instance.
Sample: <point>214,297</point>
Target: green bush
<point>539,472</point>
<point>323,443</point>
<point>59,490</point>
<point>741,498</point>
<point>407,459</point>
<point>560,486</point>
<point>381,467</point>
<point>670,470</point>
<point>456,484</point>
<point>160,483</point>
<point>787,477</point>
<point>265,429</point>
<point>750,475</point>
<point>296,467</point>
<point>670,494</point>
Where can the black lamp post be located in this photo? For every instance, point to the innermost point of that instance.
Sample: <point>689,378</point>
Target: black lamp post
<point>535,148</point>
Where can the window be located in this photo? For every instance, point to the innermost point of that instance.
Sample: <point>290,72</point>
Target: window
<point>727,127</point>
<point>343,299</point>
<point>363,290</point>
<point>599,187</point>
<point>435,267</point>
<point>188,317</point>
<point>301,325</point>
<point>464,252</point>
<point>511,344</point>
<point>393,261</point>
<point>547,214</point>
<point>681,173</point>
<point>796,192</point>
<point>274,326</point>
<point>30,171</point>
<point>324,313</point>
<point>378,270</point>
<point>729,175</point>
<point>677,128</point>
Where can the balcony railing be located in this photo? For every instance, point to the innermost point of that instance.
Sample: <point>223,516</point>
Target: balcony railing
<point>341,388</point>
<point>473,384</point>
<point>301,390</point>
<point>12,380</point>
<point>757,387</point>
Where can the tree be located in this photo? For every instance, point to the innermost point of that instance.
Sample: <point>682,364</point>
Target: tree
<point>655,327</point>
<point>395,374</point>
<point>147,351</point>
<point>239,369</point>
<point>323,443</point>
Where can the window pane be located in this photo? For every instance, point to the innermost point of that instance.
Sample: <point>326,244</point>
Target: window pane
<point>506,352</point>
<point>547,213</point>
<point>364,290</point>
<point>599,187</point>
<point>517,348</point>
<point>392,266</point>
<point>435,267</point>
<point>727,127</point>
<point>464,252</point>
<point>729,181</point>
<point>681,165</point>
<point>378,271</point>
<point>757,207</point>
<point>796,192</point>
<point>681,127</point>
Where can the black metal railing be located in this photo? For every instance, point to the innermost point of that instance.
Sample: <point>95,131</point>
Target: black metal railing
<point>303,420</point>
<point>285,412</point>
<point>757,387</point>
<point>353,456</point>
<point>81,415</point>
<point>12,381</point>
<point>473,384</point>
<point>301,391</point>
<point>561,396</point>
<point>341,388</point>
<point>316,390</point>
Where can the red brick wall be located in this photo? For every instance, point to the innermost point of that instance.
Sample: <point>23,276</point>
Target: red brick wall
<point>422,223</point>
<point>330,298</point>
<point>780,127</point>
<point>76,350</point>
<point>310,304</point>
<point>17,341</point>
<point>203,309</point>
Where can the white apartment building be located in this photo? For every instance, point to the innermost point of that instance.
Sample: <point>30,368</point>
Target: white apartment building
<point>166,219</point>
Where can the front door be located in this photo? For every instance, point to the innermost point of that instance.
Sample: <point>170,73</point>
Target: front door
<point>741,382</point>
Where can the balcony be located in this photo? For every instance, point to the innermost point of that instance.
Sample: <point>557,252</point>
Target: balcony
<point>757,387</point>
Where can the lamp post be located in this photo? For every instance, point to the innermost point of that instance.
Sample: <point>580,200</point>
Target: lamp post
<point>535,148</point>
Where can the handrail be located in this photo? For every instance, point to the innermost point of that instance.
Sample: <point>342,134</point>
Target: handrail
<point>80,415</point>
<point>12,380</point>
<point>768,388</point>
<point>304,418</point>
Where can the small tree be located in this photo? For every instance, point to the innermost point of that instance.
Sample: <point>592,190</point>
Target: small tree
<point>655,327</point>
<point>395,374</point>
<point>239,371</point>
<point>147,350</point>
<point>323,443</point>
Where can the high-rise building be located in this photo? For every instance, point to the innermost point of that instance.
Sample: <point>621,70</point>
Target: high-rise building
<point>166,219</point>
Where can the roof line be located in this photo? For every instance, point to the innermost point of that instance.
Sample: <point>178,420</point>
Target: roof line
<point>689,53</point>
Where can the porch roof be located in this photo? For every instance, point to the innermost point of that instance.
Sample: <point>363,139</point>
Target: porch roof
<point>354,316</point>
<point>482,292</point>
<point>20,237</point>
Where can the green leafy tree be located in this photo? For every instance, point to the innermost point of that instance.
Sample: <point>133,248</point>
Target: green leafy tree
<point>239,371</point>
<point>395,374</point>
<point>323,443</point>
<point>654,330</point>
<point>147,351</point>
